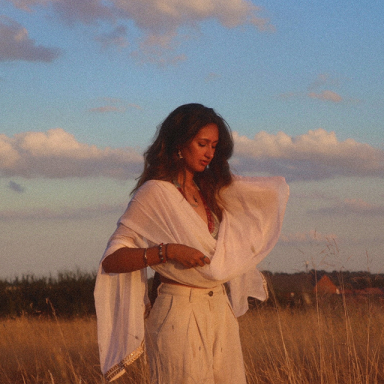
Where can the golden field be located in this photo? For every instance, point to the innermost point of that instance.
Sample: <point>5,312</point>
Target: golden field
<point>320,344</point>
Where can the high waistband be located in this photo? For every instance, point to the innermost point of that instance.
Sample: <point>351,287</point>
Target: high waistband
<point>182,290</point>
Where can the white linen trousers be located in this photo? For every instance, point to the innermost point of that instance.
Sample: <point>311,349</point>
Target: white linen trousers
<point>192,337</point>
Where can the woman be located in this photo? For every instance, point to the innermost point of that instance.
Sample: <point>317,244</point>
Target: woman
<point>198,227</point>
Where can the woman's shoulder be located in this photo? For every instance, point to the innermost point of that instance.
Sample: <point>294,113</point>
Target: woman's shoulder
<point>151,187</point>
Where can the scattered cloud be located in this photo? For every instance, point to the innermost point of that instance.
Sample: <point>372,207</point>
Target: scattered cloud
<point>134,106</point>
<point>323,80</point>
<point>63,213</point>
<point>108,108</point>
<point>27,5</point>
<point>158,21</point>
<point>315,155</point>
<point>115,38</point>
<point>350,206</point>
<point>319,89</point>
<point>57,154</point>
<point>326,96</point>
<point>16,187</point>
<point>159,50</point>
<point>290,95</point>
<point>15,44</point>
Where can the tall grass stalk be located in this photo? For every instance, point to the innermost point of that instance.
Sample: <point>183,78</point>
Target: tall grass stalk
<point>328,343</point>
<point>323,344</point>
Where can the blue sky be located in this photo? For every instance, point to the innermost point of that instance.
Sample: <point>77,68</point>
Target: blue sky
<point>85,83</point>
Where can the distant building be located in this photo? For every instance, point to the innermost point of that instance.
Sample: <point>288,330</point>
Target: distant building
<point>305,288</point>
<point>325,286</point>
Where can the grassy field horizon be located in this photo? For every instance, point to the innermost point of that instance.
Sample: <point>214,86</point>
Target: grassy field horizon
<point>318,344</point>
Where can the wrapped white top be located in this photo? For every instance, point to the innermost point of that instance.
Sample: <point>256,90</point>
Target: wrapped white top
<point>253,211</point>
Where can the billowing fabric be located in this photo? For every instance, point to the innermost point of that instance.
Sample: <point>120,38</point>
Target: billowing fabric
<point>253,210</point>
<point>192,336</point>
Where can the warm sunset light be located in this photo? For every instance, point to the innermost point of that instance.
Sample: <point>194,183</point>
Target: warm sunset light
<point>84,85</point>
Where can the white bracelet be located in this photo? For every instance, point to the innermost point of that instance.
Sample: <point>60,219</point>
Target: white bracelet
<point>145,257</point>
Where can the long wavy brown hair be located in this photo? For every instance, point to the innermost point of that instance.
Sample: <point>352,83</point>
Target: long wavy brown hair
<point>161,160</point>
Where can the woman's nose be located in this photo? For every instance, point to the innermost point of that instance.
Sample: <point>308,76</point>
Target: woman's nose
<point>210,152</point>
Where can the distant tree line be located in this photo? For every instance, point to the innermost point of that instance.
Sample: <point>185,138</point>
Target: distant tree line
<point>306,288</point>
<point>70,294</point>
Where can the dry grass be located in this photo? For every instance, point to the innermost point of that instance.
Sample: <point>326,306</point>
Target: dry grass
<point>48,351</point>
<point>316,345</point>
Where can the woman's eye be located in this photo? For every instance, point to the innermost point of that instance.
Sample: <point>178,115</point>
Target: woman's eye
<point>201,145</point>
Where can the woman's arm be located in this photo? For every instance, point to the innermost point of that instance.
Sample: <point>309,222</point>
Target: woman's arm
<point>127,259</point>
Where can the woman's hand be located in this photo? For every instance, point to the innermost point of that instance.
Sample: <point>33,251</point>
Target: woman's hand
<point>187,256</point>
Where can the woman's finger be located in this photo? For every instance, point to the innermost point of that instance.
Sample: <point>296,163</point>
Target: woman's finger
<point>206,260</point>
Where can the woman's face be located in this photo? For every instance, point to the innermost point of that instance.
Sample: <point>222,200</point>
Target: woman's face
<point>199,152</point>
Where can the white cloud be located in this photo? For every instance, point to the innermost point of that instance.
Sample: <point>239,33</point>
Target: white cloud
<point>159,20</point>
<point>312,156</point>
<point>315,155</point>
<point>168,15</point>
<point>57,154</point>
<point>15,44</point>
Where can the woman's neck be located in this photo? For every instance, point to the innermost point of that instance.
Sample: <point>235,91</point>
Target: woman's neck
<point>186,179</point>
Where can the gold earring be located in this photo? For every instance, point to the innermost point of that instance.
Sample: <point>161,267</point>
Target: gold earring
<point>179,154</point>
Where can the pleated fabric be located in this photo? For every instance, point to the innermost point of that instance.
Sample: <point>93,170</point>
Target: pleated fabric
<point>192,337</point>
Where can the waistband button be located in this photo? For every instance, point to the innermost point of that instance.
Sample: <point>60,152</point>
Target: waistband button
<point>210,293</point>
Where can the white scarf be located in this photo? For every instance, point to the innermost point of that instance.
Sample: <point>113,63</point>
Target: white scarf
<point>252,219</point>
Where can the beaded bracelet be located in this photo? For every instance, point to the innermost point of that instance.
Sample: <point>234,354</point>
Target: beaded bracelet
<point>161,256</point>
<point>145,257</point>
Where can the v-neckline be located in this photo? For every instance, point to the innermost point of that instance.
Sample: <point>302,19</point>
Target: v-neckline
<point>210,219</point>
